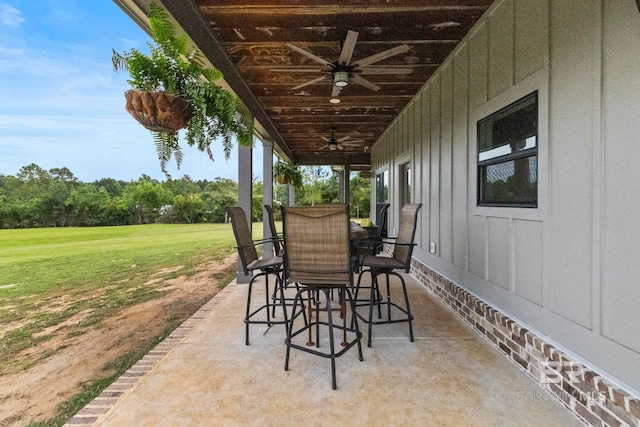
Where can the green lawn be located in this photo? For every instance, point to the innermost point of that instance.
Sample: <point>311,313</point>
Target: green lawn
<point>49,275</point>
<point>62,266</point>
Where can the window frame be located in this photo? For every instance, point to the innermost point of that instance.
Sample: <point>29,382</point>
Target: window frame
<point>522,154</point>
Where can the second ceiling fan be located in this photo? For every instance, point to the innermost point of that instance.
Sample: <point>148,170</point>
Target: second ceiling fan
<point>343,70</point>
<point>338,144</point>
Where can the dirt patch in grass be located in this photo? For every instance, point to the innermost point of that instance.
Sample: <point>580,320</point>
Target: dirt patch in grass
<point>71,361</point>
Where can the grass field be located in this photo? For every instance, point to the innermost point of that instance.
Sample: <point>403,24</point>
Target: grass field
<point>50,277</point>
<point>62,266</point>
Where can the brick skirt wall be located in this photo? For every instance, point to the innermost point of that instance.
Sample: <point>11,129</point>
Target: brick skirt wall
<point>581,390</point>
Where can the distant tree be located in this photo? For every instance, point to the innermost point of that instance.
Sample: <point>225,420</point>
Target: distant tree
<point>189,208</point>
<point>114,187</point>
<point>257,207</point>
<point>5,201</point>
<point>27,213</point>
<point>314,182</point>
<point>330,190</point>
<point>184,186</point>
<point>117,212</point>
<point>3,185</point>
<point>34,179</point>
<point>36,197</point>
<point>10,213</point>
<point>145,198</point>
<point>217,195</point>
<point>45,191</point>
<point>88,203</point>
<point>280,198</point>
<point>63,181</point>
<point>359,196</point>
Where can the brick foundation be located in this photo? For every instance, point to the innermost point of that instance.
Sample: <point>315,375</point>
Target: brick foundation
<point>581,390</point>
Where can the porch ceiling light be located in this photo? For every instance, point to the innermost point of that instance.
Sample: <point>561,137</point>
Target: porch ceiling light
<point>335,100</point>
<point>340,78</point>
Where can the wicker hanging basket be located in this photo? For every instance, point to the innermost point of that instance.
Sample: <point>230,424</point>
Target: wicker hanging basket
<point>158,111</point>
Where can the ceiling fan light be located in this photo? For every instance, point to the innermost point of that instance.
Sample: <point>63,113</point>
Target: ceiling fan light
<point>333,146</point>
<point>340,78</point>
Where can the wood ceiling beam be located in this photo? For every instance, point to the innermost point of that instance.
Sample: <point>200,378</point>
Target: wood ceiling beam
<point>187,14</point>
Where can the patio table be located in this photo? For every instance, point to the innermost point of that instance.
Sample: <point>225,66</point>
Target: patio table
<point>358,232</point>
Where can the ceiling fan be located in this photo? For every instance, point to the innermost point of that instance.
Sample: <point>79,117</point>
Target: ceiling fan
<point>337,144</point>
<point>343,71</point>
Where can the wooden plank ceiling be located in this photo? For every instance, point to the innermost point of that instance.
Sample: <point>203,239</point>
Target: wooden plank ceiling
<point>256,37</point>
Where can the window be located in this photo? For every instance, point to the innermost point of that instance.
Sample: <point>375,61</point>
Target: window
<point>508,155</point>
<point>405,183</point>
<point>382,196</point>
<point>382,187</point>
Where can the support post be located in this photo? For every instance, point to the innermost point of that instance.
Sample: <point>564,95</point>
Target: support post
<point>245,178</point>
<point>267,193</point>
<point>291,195</point>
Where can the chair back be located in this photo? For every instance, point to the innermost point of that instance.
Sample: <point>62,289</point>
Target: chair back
<point>406,234</point>
<point>382,220</point>
<point>277,244</point>
<point>246,248</point>
<point>316,241</point>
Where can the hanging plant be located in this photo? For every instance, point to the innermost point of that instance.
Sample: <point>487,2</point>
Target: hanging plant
<point>287,173</point>
<point>172,89</point>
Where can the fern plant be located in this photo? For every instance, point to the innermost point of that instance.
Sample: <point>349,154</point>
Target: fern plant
<point>179,70</point>
<point>288,173</point>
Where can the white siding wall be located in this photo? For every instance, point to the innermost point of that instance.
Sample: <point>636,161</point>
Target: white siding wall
<point>569,269</point>
<point>618,179</point>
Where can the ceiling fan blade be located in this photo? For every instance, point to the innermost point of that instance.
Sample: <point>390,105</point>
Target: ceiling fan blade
<point>297,70</point>
<point>310,82</point>
<point>366,83</point>
<point>347,48</point>
<point>340,147</point>
<point>335,91</point>
<point>381,55</point>
<point>325,138</point>
<point>352,144</point>
<point>344,138</point>
<point>308,54</point>
<point>385,70</point>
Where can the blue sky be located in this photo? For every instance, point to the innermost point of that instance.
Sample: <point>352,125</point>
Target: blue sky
<point>61,103</point>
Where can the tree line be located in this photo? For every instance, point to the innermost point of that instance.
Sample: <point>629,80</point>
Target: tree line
<point>36,197</point>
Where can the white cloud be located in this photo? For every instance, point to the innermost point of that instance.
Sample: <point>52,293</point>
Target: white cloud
<point>129,42</point>
<point>10,16</point>
<point>62,105</point>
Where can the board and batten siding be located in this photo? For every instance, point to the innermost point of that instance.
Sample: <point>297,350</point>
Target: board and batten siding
<point>570,268</point>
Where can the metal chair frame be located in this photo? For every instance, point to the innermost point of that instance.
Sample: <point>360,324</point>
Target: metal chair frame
<point>383,265</point>
<point>266,267</point>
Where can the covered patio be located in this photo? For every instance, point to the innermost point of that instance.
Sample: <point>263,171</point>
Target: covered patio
<point>549,285</point>
<point>203,374</point>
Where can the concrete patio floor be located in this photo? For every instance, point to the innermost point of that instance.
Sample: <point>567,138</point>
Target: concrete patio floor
<point>204,375</point>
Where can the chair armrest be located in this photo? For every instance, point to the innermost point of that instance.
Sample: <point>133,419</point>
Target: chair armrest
<point>258,242</point>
